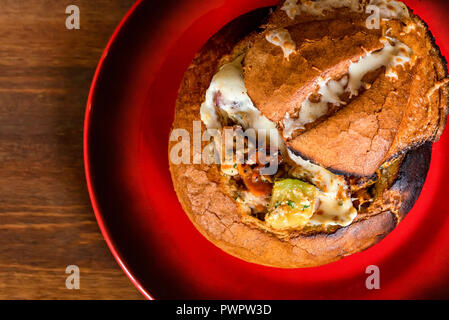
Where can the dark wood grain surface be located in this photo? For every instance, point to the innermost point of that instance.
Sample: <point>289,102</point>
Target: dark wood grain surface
<point>46,220</point>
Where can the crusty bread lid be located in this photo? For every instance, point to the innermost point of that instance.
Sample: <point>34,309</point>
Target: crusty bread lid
<point>395,114</point>
<point>324,49</point>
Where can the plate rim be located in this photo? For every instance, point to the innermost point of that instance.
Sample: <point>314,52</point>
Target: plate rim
<point>99,214</point>
<point>91,190</point>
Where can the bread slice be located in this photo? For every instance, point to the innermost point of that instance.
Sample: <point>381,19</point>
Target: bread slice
<point>393,111</point>
<point>324,49</point>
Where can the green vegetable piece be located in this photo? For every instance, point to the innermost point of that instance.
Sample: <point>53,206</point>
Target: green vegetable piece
<point>292,204</point>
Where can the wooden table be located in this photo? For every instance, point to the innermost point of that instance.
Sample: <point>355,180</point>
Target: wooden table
<point>46,220</point>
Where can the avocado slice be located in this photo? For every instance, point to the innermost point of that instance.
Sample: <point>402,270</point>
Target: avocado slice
<point>292,204</point>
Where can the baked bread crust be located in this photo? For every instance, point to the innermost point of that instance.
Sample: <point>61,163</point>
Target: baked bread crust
<point>383,122</point>
<point>201,191</point>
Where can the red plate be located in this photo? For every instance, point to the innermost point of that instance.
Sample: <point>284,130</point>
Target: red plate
<point>128,118</point>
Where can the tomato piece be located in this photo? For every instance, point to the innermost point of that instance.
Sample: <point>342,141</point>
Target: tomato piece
<point>253,181</point>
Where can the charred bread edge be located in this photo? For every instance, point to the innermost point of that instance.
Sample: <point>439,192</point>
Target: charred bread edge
<point>412,175</point>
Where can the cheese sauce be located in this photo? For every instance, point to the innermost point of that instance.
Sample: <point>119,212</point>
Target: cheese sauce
<point>295,7</point>
<point>388,9</point>
<point>391,9</point>
<point>335,205</point>
<point>393,54</point>
<point>228,88</point>
<point>283,39</point>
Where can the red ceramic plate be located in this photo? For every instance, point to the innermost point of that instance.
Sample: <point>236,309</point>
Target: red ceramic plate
<point>128,118</point>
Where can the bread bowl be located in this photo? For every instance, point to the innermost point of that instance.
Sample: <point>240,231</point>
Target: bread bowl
<point>356,110</point>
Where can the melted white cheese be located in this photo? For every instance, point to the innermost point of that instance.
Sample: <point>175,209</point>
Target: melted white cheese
<point>388,9</point>
<point>282,38</point>
<point>391,9</point>
<point>294,7</point>
<point>330,91</point>
<point>331,210</point>
<point>392,55</point>
<point>234,101</point>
